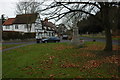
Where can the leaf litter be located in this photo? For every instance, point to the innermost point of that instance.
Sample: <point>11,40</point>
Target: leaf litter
<point>46,64</point>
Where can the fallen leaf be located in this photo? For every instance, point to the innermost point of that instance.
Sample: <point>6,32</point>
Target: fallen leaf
<point>68,65</point>
<point>51,75</point>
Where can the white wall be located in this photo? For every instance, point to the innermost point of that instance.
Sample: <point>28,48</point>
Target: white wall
<point>21,28</point>
<point>10,28</point>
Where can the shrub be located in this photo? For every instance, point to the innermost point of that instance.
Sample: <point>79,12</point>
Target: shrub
<point>8,35</point>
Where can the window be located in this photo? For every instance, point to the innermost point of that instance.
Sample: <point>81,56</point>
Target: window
<point>16,26</point>
<point>7,27</point>
<point>25,26</point>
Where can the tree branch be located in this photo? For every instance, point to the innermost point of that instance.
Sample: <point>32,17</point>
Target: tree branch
<point>81,3</point>
<point>63,14</point>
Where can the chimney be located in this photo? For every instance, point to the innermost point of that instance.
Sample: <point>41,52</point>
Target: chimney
<point>46,20</point>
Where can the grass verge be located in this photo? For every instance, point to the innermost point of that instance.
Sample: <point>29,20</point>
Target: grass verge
<point>61,60</point>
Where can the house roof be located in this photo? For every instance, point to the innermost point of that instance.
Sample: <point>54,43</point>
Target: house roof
<point>9,21</point>
<point>25,18</point>
<point>48,24</point>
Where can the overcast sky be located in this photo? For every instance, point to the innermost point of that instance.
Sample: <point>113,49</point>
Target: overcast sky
<point>8,7</point>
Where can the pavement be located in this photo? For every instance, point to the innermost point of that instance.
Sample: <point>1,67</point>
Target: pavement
<point>115,42</point>
<point>18,42</point>
<point>26,43</point>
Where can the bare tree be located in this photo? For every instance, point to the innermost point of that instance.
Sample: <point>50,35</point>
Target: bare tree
<point>28,6</point>
<point>61,9</point>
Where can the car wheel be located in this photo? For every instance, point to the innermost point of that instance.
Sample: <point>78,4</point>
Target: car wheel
<point>46,42</point>
<point>57,41</point>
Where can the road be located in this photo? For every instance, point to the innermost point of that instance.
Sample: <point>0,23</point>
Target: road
<point>115,42</point>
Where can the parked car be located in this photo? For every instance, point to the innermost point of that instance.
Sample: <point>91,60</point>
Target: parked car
<point>38,40</point>
<point>51,39</point>
<point>65,37</point>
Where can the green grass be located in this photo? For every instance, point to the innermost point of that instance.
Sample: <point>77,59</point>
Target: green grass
<point>54,60</point>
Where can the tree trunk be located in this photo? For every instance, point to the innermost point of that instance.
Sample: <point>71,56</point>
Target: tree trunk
<point>106,24</point>
<point>108,46</point>
<point>27,27</point>
<point>30,27</point>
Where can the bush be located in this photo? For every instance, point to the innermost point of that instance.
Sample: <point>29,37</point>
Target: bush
<point>8,35</point>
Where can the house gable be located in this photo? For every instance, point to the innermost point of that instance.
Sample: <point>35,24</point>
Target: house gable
<point>48,24</point>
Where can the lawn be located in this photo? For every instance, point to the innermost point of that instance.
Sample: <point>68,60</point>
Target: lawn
<point>61,60</point>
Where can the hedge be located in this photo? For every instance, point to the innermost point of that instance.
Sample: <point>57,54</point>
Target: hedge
<point>8,35</point>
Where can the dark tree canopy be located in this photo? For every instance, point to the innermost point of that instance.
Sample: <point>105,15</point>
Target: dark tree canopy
<point>86,9</point>
<point>92,25</point>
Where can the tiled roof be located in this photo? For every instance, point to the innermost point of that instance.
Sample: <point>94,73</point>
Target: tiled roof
<point>48,24</point>
<point>9,21</point>
<point>25,18</point>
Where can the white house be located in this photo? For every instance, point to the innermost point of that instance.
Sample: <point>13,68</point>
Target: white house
<point>21,23</point>
<point>30,23</point>
<point>48,29</point>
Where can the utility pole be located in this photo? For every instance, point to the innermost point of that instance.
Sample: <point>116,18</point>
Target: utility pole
<point>2,18</point>
<point>1,48</point>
